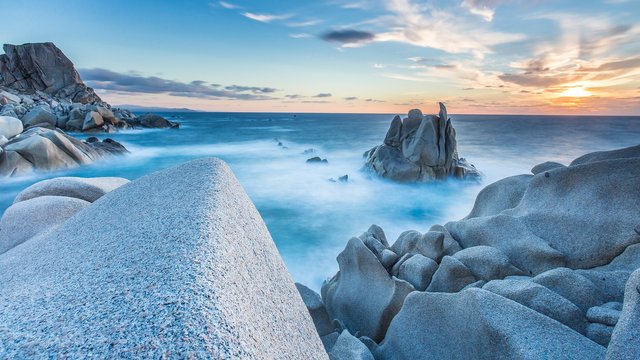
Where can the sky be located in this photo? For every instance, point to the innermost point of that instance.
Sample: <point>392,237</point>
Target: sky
<point>363,56</point>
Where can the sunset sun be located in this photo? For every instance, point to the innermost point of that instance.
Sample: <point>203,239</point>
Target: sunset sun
<point>576,91</point>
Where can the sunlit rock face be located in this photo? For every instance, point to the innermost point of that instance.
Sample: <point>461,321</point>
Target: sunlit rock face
<point>420,148</point>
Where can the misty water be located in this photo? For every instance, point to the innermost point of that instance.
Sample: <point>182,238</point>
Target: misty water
<point>312,218</point>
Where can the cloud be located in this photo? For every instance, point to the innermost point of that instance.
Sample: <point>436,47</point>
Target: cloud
<point>102,79</point>
<point>348,36</point>
<point>305,23</point>
<point>481,8</point>
<point>294,96</point>
<point>227,5</point>
<point>323,95</point>
<point>351,98</point>
<point>265,18</point>
<point>300,36</point>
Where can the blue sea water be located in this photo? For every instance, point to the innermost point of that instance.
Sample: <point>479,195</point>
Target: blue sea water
<point>312,218</point>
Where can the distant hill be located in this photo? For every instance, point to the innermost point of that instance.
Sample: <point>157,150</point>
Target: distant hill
<point>138,108</point>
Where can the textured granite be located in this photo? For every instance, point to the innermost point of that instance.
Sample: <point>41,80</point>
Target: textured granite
<point>180,265</point>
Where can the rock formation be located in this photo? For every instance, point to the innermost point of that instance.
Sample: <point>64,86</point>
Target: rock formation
<point>39,149</point>
<point>41,94</point>
<point>40,86</point>
<point>536,270</point>
<point>420,148</point>
<point>129,276</point>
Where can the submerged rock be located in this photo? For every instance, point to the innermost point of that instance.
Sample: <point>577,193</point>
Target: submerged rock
<point>129,275</point>
<point>420,148</point>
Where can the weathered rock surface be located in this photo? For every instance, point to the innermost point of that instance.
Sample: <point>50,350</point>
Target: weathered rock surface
<point>624,343</point>
<point>554,249</point>
<point>24,220</point>
<point>362,294</point>
<point>200,278</point>
<point>87,189</point>
<point>10,126</point>
<point>43,67</point>
<point>477,324</point>
<point>317,310</point>
<point>420,148</point>
<point>45,149</point>
<point>348,347</point>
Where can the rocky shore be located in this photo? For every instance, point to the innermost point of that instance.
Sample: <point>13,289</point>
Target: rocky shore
<point>546,265</point>
<point>41,96</point>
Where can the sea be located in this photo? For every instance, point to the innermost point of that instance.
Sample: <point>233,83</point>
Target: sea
<point>310,217</point>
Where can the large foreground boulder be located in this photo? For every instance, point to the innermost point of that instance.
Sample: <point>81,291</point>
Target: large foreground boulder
<point>477,324</point>
<point>46,149</point>
<point>10,126</point>
<point>420,148</point>
<point>180,265</point>
<point>625,342</point>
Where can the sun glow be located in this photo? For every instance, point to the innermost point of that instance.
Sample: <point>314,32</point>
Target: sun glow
<point>577,91</point>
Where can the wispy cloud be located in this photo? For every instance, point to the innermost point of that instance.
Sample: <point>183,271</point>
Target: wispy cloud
<point>300,36</point>
<point>481,8</point>
<point>228,5</point>
<point>265,18</point>
<point>322,95</point>
<point>103,79</point>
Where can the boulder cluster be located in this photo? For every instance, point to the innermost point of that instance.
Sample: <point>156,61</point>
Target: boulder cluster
<point>538,269</point>
<point>42,94</point>
<point>420,148</point>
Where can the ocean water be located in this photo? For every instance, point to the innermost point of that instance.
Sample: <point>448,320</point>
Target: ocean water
<point>312,218</point>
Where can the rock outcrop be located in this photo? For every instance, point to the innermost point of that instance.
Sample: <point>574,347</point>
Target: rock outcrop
<point>40,86</point>
<point>130,276</point>
<point>420,148</point>
<point>536,270</point>
<point>39,149</point>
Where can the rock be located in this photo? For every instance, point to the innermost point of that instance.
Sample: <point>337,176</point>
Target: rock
<point>419,148</point>
<point>45,149</point>
<point>347,347</point>
<point>624,153</point>
<point>362,294</point>
<point>417,270</point>
<point>156,121</point>
<point>624,341</point>
<point>316,309</point>
<point>599,333</point>
<point>39,114</point>
<point>542,300</point>
<point>3,142</point>
<point>43,67</point>
<point>545,166</point>
<point>328,341</point>
<point>579,217</point>
<point>344,178</point>
<point>27,219</point>
<point>487,263</point>
<point>394,136</point>
<point>93,119</point>
<point>10,126</point>
<point>603,315</point>
<point>451,276</point>
<point>572,286</point>
<point>477,324</point>
<point>449,244</point>
<point>7,97</point>
<point>412,242</point>
<point>501,195</point>
<point>316,160</point>
<point>87,189</point>
<point>200,278</point>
